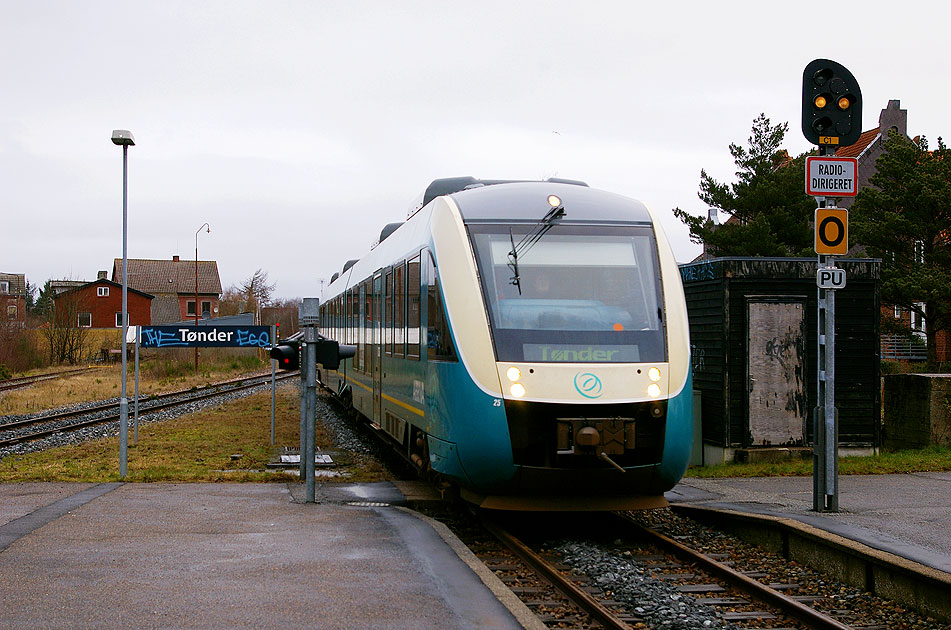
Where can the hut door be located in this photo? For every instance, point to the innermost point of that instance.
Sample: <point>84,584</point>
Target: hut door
<point>777,390</point>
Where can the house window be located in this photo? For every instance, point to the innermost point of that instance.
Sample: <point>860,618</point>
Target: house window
<point>84,320</point>
<point>897,312</point>
<point>190,308</point>
<point>119,319</point>
<point>917,321</point>
<point>919,252</point>
<point>102,291</point>
<point>11,312</point>
<point>205,308</point>
<point>4,286</point>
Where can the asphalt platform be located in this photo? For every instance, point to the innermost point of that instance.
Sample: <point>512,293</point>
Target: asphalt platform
<point>236,556</point>
<point>255,555</point>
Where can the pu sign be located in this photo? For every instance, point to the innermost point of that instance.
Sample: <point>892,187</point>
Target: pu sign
<point>830,278</point>
<point>831,177</point>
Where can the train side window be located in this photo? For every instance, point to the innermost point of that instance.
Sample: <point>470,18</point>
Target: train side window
<point>412,309</point>
<point>363,328</point>
<point>388,314</point>
<point>348,318</point>
<point>399,318</point>
<point>438,339</point>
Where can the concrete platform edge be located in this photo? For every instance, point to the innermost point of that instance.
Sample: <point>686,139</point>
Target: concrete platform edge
<point>880,572</point>
<point>525,617</point>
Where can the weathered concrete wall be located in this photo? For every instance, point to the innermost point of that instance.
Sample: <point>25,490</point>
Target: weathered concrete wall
<point>917,410</point>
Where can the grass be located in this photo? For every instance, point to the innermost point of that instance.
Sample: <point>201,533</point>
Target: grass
<point>194,448</point>
<point>155,376</point>
<point>930,459</point>
<point>199,447</point>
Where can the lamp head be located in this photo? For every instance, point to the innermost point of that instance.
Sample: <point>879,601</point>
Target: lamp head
<point>123,137</point>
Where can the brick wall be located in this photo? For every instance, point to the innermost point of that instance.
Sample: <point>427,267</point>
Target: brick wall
<point>103,308</point>
<point>917,410</point>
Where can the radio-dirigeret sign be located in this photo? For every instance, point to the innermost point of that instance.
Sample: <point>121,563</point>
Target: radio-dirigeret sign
<point>191,336</point>
<point>831,177</point>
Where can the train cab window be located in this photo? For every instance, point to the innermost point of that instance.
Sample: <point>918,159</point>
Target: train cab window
<point>438,339</point>
<point>578,294</point>
<point>399,300</point>
<point>412,309</point>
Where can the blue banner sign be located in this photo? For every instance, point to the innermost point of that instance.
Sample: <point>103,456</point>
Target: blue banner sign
<point>205,337</point>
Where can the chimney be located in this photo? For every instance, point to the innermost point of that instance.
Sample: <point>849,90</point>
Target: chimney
<point>893,117</point>
<point>174,258</point>
<point>101,275</point>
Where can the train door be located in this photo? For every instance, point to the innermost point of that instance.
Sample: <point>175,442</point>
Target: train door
<point>376,352</point>
<point>776,372</point>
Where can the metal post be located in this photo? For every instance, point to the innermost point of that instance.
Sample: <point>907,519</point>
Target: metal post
<point>303,410</point>
<point>196,285</point>
<point>135,416</point>
<point>123,400</point>
<point>825,469</point>
<point>273,377</point>
<point>310,366</point>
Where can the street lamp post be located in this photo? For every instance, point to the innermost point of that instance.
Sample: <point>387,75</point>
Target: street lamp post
<point>124,139</point>
<point>208,231</point>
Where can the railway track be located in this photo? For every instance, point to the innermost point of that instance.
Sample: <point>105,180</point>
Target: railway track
<point>12,432</point>
<point>24,381</point>
<point>667,580</point>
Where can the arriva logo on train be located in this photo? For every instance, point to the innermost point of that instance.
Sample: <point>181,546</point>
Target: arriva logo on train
<point>588,384</point>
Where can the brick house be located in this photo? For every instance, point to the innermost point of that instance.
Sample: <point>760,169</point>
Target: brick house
<point>98,304</point>
<point>868,147</point>
<point>173,285</point>
<point>13,298</point>
<point>866,150</point>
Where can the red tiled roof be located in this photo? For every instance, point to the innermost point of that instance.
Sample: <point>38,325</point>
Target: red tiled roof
<point>855,150</point>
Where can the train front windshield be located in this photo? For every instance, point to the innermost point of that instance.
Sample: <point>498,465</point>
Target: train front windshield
<point>587,294</point>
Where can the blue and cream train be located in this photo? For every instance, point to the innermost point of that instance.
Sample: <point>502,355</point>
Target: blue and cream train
<point>526,341</point>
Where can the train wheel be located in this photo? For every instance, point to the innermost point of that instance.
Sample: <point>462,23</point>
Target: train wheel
<point>419,453</point>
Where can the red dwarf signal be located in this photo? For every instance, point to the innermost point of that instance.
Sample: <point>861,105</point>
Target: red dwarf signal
<point>832,231</point>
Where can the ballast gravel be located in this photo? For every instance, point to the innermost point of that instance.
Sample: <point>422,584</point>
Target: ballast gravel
<point>108,429</point>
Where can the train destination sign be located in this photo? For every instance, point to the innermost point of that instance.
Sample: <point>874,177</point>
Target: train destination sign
<point>831,176</point>
<point>191,336</point>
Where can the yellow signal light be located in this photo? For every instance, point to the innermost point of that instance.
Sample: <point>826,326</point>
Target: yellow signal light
<point>844,103</point>
<point>820,101</point>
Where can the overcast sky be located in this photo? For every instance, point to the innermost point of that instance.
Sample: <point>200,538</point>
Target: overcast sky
<point>297,130</point>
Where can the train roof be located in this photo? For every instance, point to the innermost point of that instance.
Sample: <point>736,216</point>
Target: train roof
<point>528,201</point>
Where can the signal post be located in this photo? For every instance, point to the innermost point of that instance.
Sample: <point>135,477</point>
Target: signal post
<point>831,117</point>
<point>306,350</point>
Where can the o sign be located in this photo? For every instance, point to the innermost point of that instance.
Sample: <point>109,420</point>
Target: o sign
<point>832,231</point>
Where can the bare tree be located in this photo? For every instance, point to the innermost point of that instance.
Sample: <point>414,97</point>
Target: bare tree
<point>257,291</point>
<point>64,337</point>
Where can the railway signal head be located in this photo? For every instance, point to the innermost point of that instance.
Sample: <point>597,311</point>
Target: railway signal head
<point>831,104</point>
<point>287,355</point>
<point>330,353</point>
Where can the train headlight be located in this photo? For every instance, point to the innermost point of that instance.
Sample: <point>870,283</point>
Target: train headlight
<point>518,390</point>
<point>513,373</point>
<point>653,390</point>
<point>554,201</point>
<point>653,374</point>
